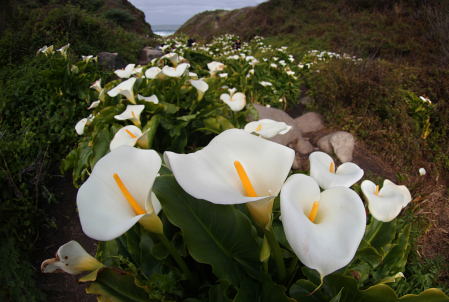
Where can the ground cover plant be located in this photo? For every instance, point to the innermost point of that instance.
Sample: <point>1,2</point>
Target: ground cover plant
<point>196,240</point>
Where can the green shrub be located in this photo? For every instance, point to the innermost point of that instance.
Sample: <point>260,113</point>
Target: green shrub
<point>119,16</point>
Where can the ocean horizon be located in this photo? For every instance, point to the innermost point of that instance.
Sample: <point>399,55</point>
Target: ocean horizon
<point>165,30</point>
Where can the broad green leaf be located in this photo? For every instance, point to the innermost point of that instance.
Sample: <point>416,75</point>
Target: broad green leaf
<point>149,264</point>
<point>106,250</point>
<point>100,146</point>
<point>83,154</point>
<point>301,290</point>
<point>217,124</point>
<point>68,162</point>
<point>116,286</point>
<point>159,251</point>
<point>280,234</point>
<point>379,233</point>
<point>397,256</point>
<point>152,125</point>
<point>311,274</point>
<point>248,291</point>
<point>133,242</point>
<point>217,293</point>
<point>337,297</point>
<point>218,235</point>
<point>272,292</point>
<point>335,283</point>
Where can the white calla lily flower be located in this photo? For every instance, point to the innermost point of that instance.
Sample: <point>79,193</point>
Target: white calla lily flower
<point>213,173</point>
<point>422,171</point>
<point>215,67</point>
<point>265,84</point>
<point>152,99</point>
<point>178,71</point>
<point>231,91</point>
<point>235,57</point>
<point>42,50</point>
<point>94,104</point>
<point>201,87</point>
<point>129,136</point>
<point>71,258</point>
<point>193,75</point>
<point>118,194</point>
<point>173,57</point>
<point>153,72</point>
<point>87,58</point>
<point>223,75</point>
<point>97,85</point>
<point>126,72</point>
<point>124,88</point>
<point>326,174</point>
<point>323,229</point>
<point>63,50</point>
<point>138,71</point>
<point>79,127</point>
<point>236,102</point>
<point>273,65</point>
<point>132,113</point>
<point>385,204</point>
<point>267,128</point>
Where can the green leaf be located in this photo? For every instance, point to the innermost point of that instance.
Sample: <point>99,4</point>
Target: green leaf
<point>217,124</point>
<point>248,291</point>
<point>83,154</point>
<point>159,251</point>
<point>116,286</point>
<point>379,233</point>
<point>217,293</point>
<point>68,162</point>
<point>100,146</point>
<point>396,258</point>
<point>149,264</point>
<point>105,251</point>
<point>272,292</point>
<point>133,242</point>
<point>301,290</point>
<point>335,283</point>
<point>218,235</point>
<point>311,274</point>
<point>337,297</point>
<point>152,125</point>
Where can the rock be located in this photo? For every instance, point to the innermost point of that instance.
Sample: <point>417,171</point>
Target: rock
<point>343,145</point>
<point>304,147</point>
<point>295,165</point>
<point>110,61</point>
<point>279,116</point>
<point>149,54</point>
<point>309,122</point>
<point>306,100</point>
<point>324,144</point>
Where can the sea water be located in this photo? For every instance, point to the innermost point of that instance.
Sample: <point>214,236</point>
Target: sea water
<point>165,30</point>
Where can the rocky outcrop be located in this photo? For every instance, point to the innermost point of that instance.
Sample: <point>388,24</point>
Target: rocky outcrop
<point>309,122</point>
<point>149,54</point>
<point>110,61</point>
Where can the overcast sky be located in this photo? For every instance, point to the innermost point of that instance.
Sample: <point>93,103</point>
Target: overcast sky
<point>159,12</point>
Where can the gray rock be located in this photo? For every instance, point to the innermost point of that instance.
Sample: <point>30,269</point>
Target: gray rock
<point>279,116</point>
<point>149,54</point>
<point>324,144</point>
<point>304,147</point>
<point>110,61</point>
<point>309,122</point>
<point>306,100</point>
<point>343,144</point>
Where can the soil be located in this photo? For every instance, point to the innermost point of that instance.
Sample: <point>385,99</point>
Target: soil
<point>64,287</point>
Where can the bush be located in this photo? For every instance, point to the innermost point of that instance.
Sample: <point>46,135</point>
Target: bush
<point>119,16</point>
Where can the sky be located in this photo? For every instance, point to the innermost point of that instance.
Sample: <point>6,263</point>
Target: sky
<point>161,12</point>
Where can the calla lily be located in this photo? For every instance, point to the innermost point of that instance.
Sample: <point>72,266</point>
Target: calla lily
<point>232,91</point>
<point>138,71</point>
<point>267,128</point>
<point>124,88</point>
<point>97,85</point>
<point>213,173</point>
<point>152,99</point>
<point>176,71</point>
<point>201,88</point>
<point>118,194</point>
<point>71,258</point>
<point>215,67</point>
<point>132,113</point>
<point>235,57</point>
<point>79,127</point>
<point>323,170</point>
<point>387,203</point>
<point>193,75</point>
<point>42,50</point>
<point>223,75</point>
<point>323,229</point>
<point>94,104</point>
<point>129,136</point>
<point>173,57</point>
<point>87,58</point>
<point>63,50</point>
<point>422,171</point>
<point>265,84</point>
<point>154,72</point>
<point>236,102</point>
<point>126,72</point>
<point>273,65</point>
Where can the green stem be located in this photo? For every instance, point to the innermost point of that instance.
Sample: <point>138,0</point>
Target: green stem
<point>178,259</point>
<point>277,254</point>
<point>292,267</point>
<point>265,266</point>
<point>234,119</point>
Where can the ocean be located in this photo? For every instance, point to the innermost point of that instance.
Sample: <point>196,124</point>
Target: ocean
<point>165,30</point>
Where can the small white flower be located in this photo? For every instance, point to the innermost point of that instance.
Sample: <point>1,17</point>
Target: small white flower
<point>422,171</point>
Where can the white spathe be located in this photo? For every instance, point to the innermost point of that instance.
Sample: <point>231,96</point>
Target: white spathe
<point>346,175</point>
<point>215,67</point>
<point>94,104</point>
<point>129,136</point>
<point>268,128</point>
<point>124,88</point>
<point>331,241</point>
<point>97,85</point>
<point>132,113</point>
<point>176,71</point>
<point>173,57</point>
<point>201,87</point>
<point>79,127</point>
<point>105,213</point>
<point>210,173</point>
<point>154,72</point>
<point>152,99</point>
<point>389,202</point>
<point>126,72</point>
<point>236,102</point>
<point>422,171</point>
<point>71,258</point>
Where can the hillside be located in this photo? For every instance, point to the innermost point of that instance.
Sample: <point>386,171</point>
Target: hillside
<point>89,26</point>
<point>400,31</point>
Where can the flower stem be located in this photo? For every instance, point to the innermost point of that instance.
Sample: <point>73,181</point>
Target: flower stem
<point>277,254</point>
<point>178,259</point>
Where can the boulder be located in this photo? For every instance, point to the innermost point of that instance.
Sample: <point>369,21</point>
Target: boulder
<point>279,116</point>
<point>306,100</point>
<point>304,147</point>
<point>110,61</point>
<point>324,144</point>
<point>309,122</point>
<point>343,144</point>
<point>149,54</point>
